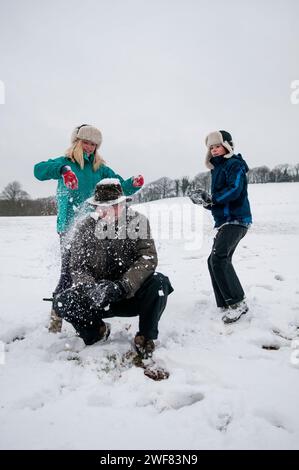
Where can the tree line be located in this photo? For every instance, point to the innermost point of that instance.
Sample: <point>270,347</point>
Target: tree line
<point>166,187</point>
<point>14,201</point>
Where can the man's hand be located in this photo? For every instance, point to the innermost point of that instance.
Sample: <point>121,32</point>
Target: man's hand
<point>200,196</point>
<point>138,181</point>
<point>106,292</point>
<point>69,178</point>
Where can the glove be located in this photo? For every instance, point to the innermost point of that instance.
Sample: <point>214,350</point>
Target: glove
<point>138,181</point>
<point>200,196</point>
<point>69,178</point>
<point>106,292</point>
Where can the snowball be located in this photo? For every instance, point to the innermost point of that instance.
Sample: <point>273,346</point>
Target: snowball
<point>109,181</point>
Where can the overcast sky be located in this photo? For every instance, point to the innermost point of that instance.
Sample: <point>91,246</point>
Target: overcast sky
<point>154,75</point>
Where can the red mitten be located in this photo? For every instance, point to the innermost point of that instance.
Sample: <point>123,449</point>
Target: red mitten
<point>138,181</point>
<point>70,179</point>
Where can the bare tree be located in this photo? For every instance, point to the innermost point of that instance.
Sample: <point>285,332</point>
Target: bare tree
<point>185,184</point>
<point>14,192</point>
<point>202,180</point>
<point>177,183</point>
<point>259,174</point>
<point>165,187</point>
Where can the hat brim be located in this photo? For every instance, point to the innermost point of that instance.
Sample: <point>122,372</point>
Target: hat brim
<point>93,202</point>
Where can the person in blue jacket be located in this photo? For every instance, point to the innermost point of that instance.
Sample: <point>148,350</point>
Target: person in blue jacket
<point>77,173</point>
<point>230,208</point>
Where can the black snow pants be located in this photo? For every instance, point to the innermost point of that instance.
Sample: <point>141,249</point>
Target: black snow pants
<point>226,285</point>
<point>149,302</point>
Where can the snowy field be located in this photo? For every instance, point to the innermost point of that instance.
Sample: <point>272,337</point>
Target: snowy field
<point>231,387</point>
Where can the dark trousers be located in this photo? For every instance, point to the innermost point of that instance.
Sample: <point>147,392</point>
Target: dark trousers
<point>149,302</point>
<point>226,285</point>
<point>65,280</point>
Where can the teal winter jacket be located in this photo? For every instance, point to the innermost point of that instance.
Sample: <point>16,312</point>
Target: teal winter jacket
<point>69,200</point>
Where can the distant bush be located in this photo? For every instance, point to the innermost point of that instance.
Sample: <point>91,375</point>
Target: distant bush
<point>43,206</point>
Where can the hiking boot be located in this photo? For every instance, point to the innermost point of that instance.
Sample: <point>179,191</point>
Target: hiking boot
<point>55,323</point>
<point>235,311</point>
<point>105,330</point>
<point>144,347</point>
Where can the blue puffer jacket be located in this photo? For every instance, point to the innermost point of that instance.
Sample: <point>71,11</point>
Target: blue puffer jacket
<point>229,190</point>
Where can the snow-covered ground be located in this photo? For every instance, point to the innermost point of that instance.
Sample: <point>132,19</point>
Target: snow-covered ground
<point>225,390</point>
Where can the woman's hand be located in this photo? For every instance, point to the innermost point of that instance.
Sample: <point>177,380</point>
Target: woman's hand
<point>69,178</point>
<point>138,181</point>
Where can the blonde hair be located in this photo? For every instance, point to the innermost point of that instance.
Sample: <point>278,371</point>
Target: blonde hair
<point>75,154</point>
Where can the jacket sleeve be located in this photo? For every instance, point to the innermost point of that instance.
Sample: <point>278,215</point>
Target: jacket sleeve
<point>81,255</point>
<point>49,170</point>
<point>127,185</point>
<point>235,183</point>
<point>144,265</point>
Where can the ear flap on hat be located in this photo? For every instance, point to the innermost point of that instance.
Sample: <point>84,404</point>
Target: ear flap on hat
<point>227,143</point>
<point>215,138</point>
<point>75,133</point>
<point>229,148</point>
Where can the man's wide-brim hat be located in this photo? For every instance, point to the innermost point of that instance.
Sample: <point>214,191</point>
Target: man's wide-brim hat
<point>108,192</point>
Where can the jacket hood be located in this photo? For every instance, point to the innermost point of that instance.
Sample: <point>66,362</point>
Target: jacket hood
<point>241,159</point>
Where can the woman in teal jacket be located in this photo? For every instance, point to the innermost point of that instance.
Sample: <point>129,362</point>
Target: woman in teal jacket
<point>77,174</point>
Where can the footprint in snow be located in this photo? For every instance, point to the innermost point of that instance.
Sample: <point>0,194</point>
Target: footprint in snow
<point>100,400</point>
<point>273,418</point>
<point>223,420</point>
<point>174,400</point>
<point>278,277</point>
<point>34,402</point>
<point>73,344</point>
<point>17,334</point>
<point>271,347</point>
<point>265,286</point>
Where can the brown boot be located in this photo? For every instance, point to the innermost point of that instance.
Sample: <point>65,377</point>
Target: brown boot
<point>144,347</point>
<point>55,323</point>
<point>105,330</point>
